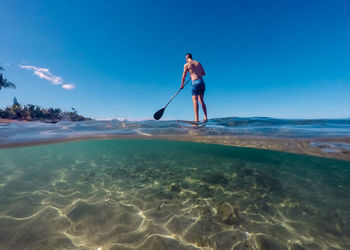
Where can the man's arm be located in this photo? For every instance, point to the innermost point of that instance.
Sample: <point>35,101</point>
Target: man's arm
<point>183,77</point>
<point>203,73</point>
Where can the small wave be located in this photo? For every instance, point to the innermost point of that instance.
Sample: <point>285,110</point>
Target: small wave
<point>254,126</point>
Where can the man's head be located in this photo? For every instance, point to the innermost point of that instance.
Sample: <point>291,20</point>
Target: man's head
<point>188,57</point>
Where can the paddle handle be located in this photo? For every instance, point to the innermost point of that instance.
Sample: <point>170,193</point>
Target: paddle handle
<point>176,93</point>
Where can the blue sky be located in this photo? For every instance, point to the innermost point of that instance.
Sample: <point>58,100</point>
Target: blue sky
<point>109,59</point>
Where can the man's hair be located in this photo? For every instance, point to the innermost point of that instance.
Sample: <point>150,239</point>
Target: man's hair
<point>189,55</point>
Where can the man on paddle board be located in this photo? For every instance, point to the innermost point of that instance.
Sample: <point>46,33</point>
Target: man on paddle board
<point>198,86</point>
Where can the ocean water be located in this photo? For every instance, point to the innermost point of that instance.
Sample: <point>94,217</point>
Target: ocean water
<point>322,137</point>
<point>229,126</point>
<point>160,185</point>
<point>164,194</point>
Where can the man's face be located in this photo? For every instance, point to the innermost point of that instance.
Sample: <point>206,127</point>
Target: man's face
<point>187,58</point>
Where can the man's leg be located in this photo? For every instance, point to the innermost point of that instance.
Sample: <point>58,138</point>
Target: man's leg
<point>195,107</point>
<point>204,107</point>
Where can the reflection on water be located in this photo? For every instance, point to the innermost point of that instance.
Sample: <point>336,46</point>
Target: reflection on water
<point>149,194</point>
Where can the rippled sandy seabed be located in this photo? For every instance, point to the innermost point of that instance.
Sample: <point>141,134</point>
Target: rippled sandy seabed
<point>158,194</point>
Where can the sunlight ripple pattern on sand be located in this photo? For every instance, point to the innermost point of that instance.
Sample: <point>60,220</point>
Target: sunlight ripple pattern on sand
<point>149,194</point>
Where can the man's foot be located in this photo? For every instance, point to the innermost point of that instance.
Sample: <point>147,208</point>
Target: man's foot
<point>205,120</point>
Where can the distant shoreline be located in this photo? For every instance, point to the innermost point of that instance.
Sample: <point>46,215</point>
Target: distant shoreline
<point>8,121</point>
<point>34,113</point>
<point>11,120</point>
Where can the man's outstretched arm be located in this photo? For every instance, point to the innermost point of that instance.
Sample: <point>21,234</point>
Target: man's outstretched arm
<point>183,77</point>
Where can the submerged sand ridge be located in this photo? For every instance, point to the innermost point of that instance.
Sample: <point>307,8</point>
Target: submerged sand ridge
<point>138,194</point>
<point>323,137</point>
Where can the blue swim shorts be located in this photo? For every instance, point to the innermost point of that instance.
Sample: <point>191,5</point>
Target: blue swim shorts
<point>198,87</point>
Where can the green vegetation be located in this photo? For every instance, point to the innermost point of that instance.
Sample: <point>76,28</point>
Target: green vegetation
<point>3,81</point>
<point>32,112</point>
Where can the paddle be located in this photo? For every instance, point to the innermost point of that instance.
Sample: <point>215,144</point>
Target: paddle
<point>157,115</point>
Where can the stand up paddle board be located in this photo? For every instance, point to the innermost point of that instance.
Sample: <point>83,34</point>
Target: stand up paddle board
<point>194,124</point>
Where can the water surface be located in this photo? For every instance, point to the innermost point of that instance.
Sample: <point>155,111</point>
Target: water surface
<point>322,137</point>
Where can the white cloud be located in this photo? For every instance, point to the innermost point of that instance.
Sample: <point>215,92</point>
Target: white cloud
<point>68,86</point>
<point>8,64</point>
<point>47,75</point>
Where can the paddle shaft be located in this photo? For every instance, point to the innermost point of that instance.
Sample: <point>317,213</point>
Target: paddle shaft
<point>177,93</point>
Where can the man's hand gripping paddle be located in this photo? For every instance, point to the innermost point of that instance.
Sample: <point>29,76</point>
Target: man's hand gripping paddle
<point>157,115</point>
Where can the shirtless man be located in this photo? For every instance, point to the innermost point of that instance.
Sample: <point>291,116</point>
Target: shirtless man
<point>198,86</point>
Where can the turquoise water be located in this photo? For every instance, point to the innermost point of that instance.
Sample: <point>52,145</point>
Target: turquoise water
<point>318,137</point>
<point>158,194</point>
<point>229,126</point>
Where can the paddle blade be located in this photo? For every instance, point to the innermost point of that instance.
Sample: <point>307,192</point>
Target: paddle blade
<point>157,115</point>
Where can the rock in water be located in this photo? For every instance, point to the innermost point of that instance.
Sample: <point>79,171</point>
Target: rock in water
<point>174,187</point>
<point>227,214</point>
<point>265,243</point>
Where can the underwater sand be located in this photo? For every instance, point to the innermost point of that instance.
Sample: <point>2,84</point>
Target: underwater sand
<point>158,194</point>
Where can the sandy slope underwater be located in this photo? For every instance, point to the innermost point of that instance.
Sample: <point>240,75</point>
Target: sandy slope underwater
<point>320,137</point>
<point>163,194</point>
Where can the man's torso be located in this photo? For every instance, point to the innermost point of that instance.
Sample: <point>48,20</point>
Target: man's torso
<point>195,69</point>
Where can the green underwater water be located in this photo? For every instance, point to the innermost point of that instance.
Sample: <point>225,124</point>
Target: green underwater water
<point>158,194</point>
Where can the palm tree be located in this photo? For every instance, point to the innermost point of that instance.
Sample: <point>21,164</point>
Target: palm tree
<point>3,81</point>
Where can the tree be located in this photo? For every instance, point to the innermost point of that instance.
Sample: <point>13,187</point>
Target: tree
<point>4,83</point>
<point>15,102</point>
<point>16,109</point>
